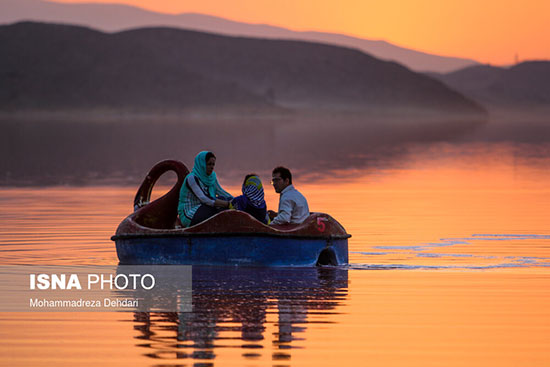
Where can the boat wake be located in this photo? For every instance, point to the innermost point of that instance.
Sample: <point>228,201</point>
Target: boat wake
<point>476,252</point>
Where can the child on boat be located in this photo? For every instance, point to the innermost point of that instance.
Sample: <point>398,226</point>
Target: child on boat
<point>252,200</point>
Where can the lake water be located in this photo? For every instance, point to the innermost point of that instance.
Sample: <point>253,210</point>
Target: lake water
<point>449,266</point>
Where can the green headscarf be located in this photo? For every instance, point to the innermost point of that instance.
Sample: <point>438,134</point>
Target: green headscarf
<point>199,170</point>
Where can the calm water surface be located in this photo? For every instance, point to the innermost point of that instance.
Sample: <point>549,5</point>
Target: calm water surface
<point>449,265</point>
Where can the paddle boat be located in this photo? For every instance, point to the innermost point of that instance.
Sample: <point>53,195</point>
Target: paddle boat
<point>153,235</point>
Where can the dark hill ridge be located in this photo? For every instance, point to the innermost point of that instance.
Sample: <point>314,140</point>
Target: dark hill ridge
<point>525,85</point>
<point>58,67</point>
<point>46,66</point>
<point>117,17</point>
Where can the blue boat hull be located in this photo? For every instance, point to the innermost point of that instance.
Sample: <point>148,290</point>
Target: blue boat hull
<point>232,250</point>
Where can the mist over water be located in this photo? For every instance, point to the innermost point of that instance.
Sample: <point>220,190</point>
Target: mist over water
<point>52,152</point>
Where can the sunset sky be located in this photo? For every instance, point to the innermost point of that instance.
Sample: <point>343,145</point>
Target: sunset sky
<point>489,31</point>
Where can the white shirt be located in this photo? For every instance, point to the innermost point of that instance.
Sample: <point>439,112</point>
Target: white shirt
<point>293,207</point>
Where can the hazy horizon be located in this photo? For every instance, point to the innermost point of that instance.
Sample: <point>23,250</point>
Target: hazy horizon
<point>121,152</point>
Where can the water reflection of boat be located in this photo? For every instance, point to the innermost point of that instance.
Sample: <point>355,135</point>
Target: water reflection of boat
<point>258,310</point>
<point>150,234</point>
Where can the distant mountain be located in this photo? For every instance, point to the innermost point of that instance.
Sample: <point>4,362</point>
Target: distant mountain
<point>526,85</point>
<point>46,66</point>
<point>115,17</point>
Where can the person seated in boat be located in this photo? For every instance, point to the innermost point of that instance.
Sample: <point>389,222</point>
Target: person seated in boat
<point>252,200</point>
<point>201,195</point>
<point>293,207</point>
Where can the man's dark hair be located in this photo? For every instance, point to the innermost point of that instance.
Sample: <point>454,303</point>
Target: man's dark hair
<point>248,176</point>
<point>284,173</point>
<point>209,155</point>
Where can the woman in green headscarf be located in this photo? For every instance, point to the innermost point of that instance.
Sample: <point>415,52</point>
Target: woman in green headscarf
<point>201,195</point>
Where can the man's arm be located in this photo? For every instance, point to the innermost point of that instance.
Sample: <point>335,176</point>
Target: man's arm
<point>285,213</point>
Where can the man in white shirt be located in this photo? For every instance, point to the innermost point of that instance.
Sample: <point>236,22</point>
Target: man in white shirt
<point>293,207</point>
